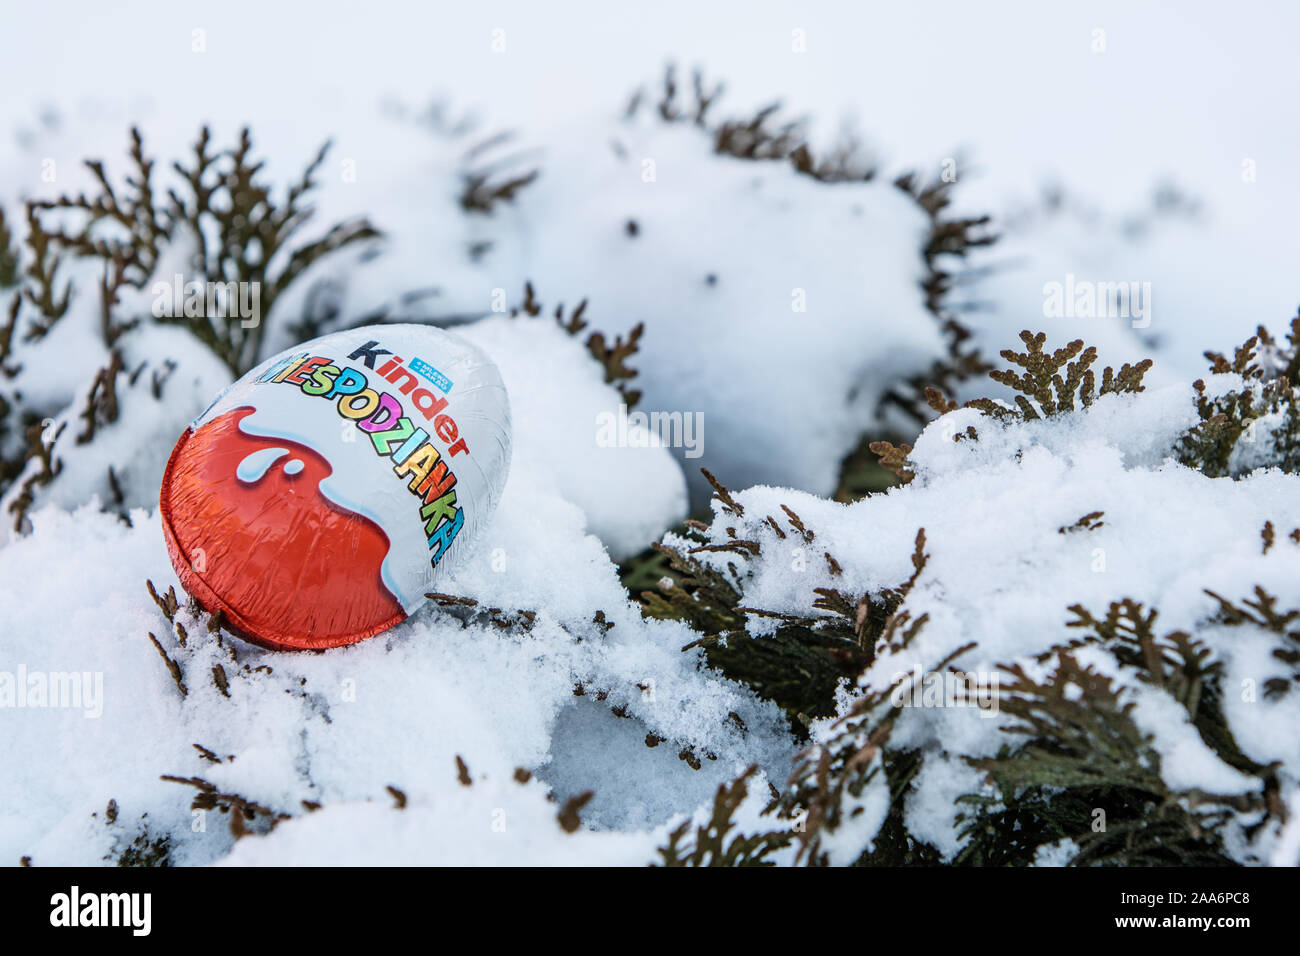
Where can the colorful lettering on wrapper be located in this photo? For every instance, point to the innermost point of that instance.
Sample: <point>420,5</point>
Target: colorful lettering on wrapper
<point>392,434</point>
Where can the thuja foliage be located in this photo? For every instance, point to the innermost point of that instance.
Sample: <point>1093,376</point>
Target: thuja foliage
<point>1085,773</point>
<point>241,232</point>
<point>1046,384</point>
<point>243,236</point>
<point>948,238</point>
<point>9,275</point>
<point>768,135</point>
<point>1073,767</point>
<point>709,844</point>
<point>1254,421</point>
<point>143,848</point>
<point>802,662</point>
<point>611,355</point>
<point>484,186</point>
<point>1057,382</point>
<point>1249,409</point>
<point>1078,768</point>
<point>1262,611</point>
<point>1071,775</point>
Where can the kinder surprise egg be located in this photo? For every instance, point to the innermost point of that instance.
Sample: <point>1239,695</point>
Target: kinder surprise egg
<point>312,503</point>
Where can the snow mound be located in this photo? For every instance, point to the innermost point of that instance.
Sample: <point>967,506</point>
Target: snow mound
<point>1021,526</point>
<point>485,683</point>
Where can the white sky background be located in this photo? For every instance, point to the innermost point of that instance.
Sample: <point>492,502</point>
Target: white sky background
<point>1184,91</point>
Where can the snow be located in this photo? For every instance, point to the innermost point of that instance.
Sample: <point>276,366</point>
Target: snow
<point>754,320</point>
<point>398,710</point>
<point>763,232</point>
<point>341,728</point>
<point>557,397</point>
<point>1000,574</point>
<point>490,823</point>
<point>823,334</point>
<point>723,255</point>
<point>1168,259</point>
<point>138,453</point>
